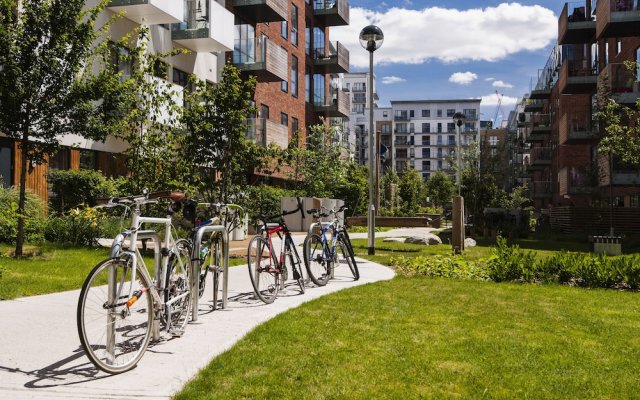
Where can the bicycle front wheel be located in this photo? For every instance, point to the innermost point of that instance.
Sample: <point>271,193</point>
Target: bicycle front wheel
<point>316,259</point>
<point>345,255</point>
<point>178,288</point>
<point>264,273</point>
<point>114,316</point>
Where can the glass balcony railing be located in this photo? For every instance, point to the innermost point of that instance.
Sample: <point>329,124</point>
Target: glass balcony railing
<point>207,27</point>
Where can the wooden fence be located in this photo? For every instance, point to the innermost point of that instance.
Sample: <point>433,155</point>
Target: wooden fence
<point>594,221</point>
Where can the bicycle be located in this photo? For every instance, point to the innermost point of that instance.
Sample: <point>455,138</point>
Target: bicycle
<point>321,254</point>
<point>267,271</point>
<point>120,306</point>
<point>211,253</point>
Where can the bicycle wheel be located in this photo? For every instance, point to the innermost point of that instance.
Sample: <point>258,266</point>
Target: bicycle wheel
<point>264,272</point>
<point>345,254</point>
<point>177,294</point>
<point>114,328</point>
<point>316,259</point>
<point>296,267</point>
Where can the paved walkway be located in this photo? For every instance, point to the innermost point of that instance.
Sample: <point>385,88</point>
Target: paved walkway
<point>41,356</point>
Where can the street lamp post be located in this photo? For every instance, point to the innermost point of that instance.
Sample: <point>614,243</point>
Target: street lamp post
<point>458,203</point>
<point>371,38</point>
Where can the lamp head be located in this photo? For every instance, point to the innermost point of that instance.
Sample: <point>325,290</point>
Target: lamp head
<point>459,118</point>
<point>371,38</point>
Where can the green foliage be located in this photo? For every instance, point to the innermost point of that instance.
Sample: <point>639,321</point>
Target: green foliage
<point>75,187</point>
<point>352,187</point>
<point>440,266</point>
<point>80,226</point>
<point>411,192</point>
<point>440,188</point>
<point>263,199</point>
<point>33,217</point>
<point>509,263</point>
<point>390,202</point>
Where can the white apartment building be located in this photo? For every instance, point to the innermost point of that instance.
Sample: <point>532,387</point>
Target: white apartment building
<point>357,84</point>
<point>424,133</point>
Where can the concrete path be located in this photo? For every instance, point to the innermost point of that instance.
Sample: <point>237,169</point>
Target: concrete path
<point>41,356</point>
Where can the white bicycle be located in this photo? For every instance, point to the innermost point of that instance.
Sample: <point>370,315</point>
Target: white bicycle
<point>120,306</point>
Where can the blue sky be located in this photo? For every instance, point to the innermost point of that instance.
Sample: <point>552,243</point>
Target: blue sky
<point>454,49</point>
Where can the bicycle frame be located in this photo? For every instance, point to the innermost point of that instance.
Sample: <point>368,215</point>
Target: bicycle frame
<point>324,228</point>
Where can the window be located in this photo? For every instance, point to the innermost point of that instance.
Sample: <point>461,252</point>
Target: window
<point>469,126</point>
<point>357,108</point>
<point>439,113</point>
<point>401,128</point>
<point>87,159</point>
<point>5,162</point>
<point>359,97</point>
<point>307,85</point>
<point>426,140</point>
<point>426,127</point>
<point>284,86</point>
<point>426,153</point>
<point>618,46</point>
<point>401,153</point>
<point>294,125</point>
<point>244,46</point>
<point>493,140</point>
<point>469,113</point>
<point>385,129</point>
<point>180,77</point>
<point>284,29</point>
<point>451,112</point>
<point>425,175</point>
<point>284,119</point>
<point>307,37</point>
<point>61,159</point>
<point>318,43</point>
<point>385,114</point>
<point>451,140</point>
<point>411,114</point>
<point>318,89</point>
<point>294,76</point>
<point>635,200</point>
<point>426,113</point>
<point>451,127</point>
<point>264,111</point>
<point>439,127</point>
<point>426,165</point>
<point>294,25</point>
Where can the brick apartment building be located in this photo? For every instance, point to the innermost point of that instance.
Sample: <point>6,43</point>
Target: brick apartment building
<point>285,44</point>
<point>566,167</point>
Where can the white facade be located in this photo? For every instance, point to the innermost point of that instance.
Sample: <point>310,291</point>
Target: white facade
<point>424,133</point>
<point>357,83</point>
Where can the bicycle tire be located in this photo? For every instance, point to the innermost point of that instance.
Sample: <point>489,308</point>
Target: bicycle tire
<point>316,261</point>
<point>131,330</point>
<point>347,254</point>
<point>263,270</point>
<point>177,285</point>
<point>296,267</point>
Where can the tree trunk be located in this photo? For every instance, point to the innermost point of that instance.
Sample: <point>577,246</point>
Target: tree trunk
<point>23,193</point>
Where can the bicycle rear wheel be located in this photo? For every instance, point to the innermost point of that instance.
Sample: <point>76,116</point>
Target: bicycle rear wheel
<point>114,328</point>
<point>316,259</point>
<point>264,273</point>
<point>345,254</point>
<point>178,288</point>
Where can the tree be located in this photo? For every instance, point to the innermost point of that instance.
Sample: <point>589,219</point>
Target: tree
<point>440,188</point>
<point>411,192</point>
<point>215,142</point>
<point>391,199</point>
<point>43,51</point>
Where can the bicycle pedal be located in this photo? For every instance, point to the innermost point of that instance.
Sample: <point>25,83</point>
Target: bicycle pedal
<point>176,332</point>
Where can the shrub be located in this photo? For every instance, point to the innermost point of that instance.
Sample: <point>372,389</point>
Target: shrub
<point>440,266</point>
<point>509,263</point>
<point>263,199</point>
<point>34,216</point>
<point>80,227</point>
<point>73,188</point>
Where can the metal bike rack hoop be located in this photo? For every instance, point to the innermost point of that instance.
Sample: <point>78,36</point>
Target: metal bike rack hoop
<point>195,265</point>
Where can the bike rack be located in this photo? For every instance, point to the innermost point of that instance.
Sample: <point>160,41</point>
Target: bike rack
<point>195,265</point>
<point>321,225</point>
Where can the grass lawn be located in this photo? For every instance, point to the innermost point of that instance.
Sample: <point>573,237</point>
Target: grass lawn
<point>53,268</point>
<point>437,338</point>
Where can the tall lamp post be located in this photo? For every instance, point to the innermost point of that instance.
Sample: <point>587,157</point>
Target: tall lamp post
<point>371,38</point>
<point>458,203</point>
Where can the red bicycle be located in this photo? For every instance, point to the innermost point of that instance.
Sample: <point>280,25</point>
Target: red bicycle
<point>269,270</point>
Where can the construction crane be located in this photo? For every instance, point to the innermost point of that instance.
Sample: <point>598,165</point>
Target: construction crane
<point>499,111</point>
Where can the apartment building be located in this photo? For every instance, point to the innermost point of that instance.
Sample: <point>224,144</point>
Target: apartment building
<point>424,133</point>
<point>284,44</point>
<point>357,85</point>
<point>567,169</point>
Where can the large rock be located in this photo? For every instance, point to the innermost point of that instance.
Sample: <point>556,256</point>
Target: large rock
<point>426,239</point>
<point>393,239</point>
<point>468,242</point>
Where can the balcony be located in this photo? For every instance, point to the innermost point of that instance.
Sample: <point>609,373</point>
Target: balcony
<point>623,83</point>
<point>626,178</point>
<point>535,138</point>
<point>577,181</point>
<point>331,12</point>
<point>533,105</point>
<point>401,116</point>
<point>576,25</point>
<point>547,76</point>
<point>259,11</point>
<point>264,132</point>
<point>332,59</point>
<point>540,124</point>
<point>617,18</point>
<point>577,77</point>
<point>336,105</point>
<point>577,127</point>
<point>541,189</point>
<point>262,58</point>
<point>150,12</point>
<point>541,156</point>
<point>204,30</point>
<point>403,143</point>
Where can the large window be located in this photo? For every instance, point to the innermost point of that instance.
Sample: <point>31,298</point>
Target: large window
<point>426,127</point>
<point>307,85</point>
<point>294,125</point>
<point>426,113</point>
<point>318,41</point>
<point>307,37</point>
<point>294,76</point>
<point>294,25</point>
<point>451,112</point>
<point>284,29</point>
<point>426,153</point>
<point>180,77</point>
<point>318,89</point>
<point>284,119</point>
<point>244,51</point>
<point>426,140</point>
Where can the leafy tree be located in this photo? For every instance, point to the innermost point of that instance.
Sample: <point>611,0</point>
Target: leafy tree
<point>440,188</point>
<point>353,188</point>
<point>411,192</point>
<point>44,87</point>
<point>215,143</point>
<point>391,198</point>
<point>517,199</point>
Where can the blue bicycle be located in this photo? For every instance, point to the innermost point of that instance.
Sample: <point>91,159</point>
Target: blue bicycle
<point>321,253</point>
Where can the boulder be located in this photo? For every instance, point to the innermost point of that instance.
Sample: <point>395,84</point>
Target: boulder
<point>393,239</point>
<point>469,242</point>
<point>426,239</point>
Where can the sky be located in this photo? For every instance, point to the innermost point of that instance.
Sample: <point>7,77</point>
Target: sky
<point>454,49</point>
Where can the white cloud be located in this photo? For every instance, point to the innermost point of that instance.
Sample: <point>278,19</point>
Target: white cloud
<point>463,78</point>
<point>449,35</point>
<point>387,80</point>
<point>490,79</point>
<point>492,100</point>
<point>502,84</point>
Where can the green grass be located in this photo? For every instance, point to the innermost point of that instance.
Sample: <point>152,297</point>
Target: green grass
<point>436,338</point>
<point>53,268</point>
